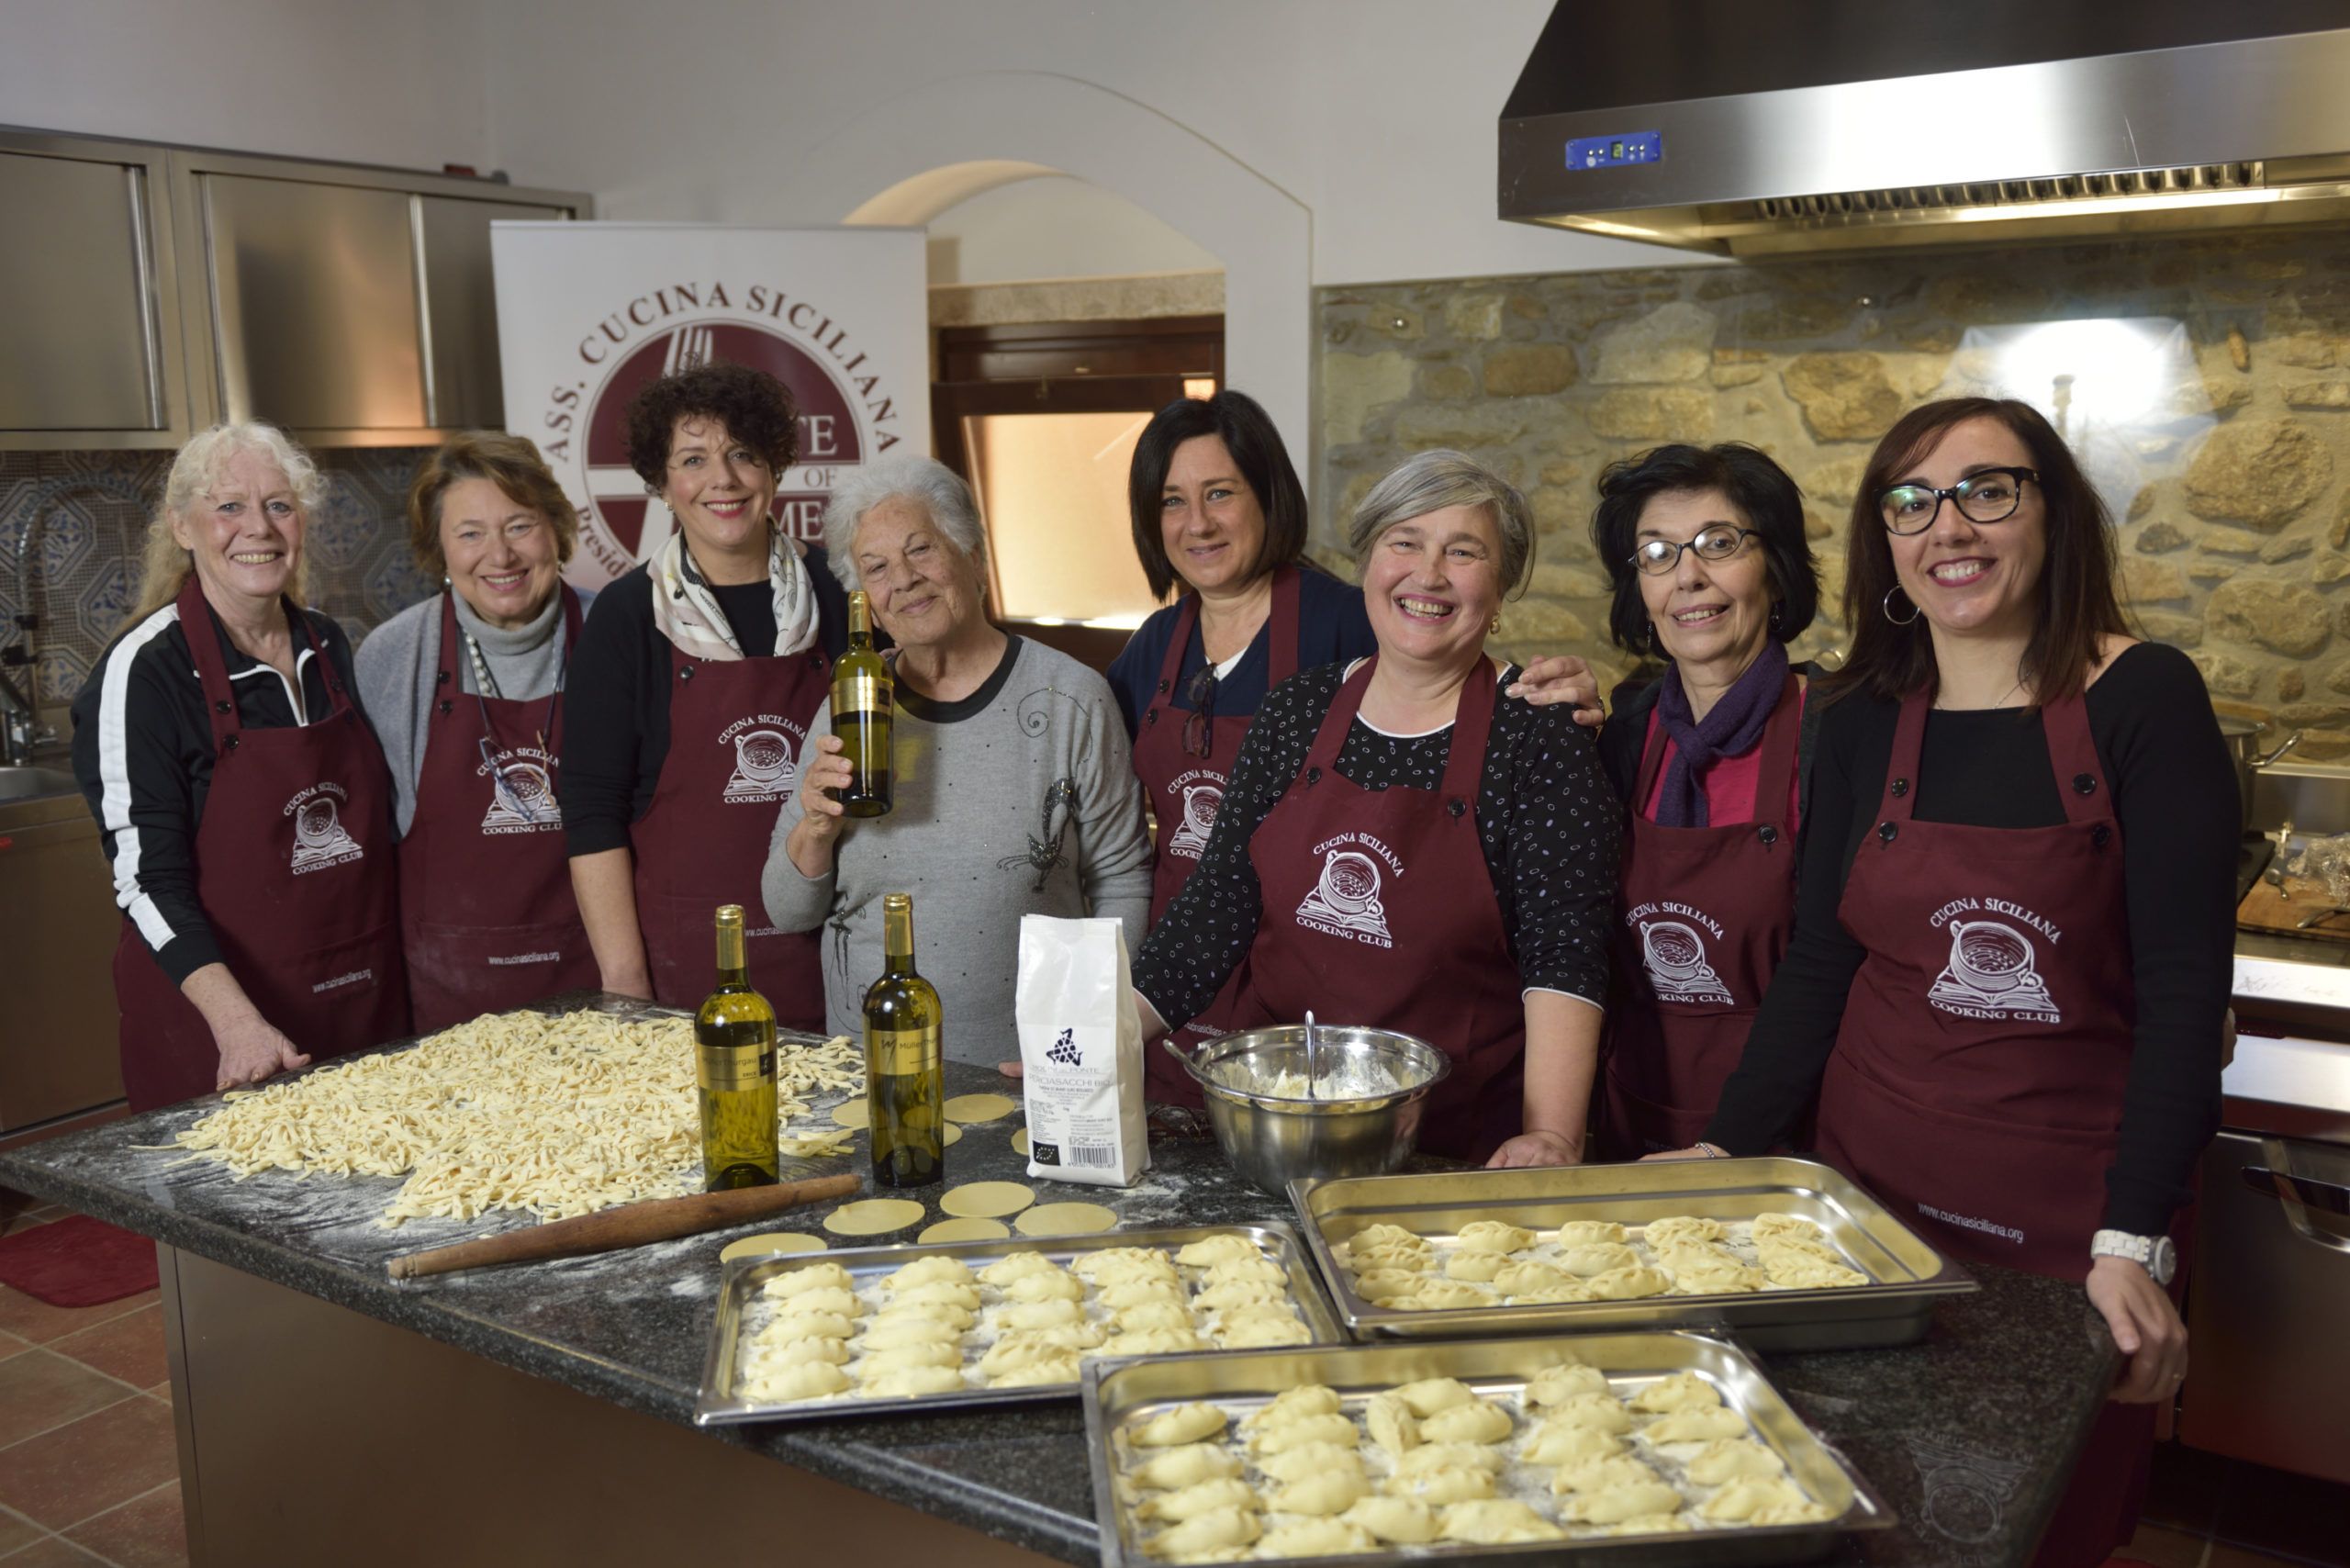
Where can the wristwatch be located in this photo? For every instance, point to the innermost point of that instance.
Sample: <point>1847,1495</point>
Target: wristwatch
<point>2154,1253</point>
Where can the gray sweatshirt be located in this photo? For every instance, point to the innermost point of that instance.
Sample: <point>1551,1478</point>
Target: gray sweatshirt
<point>397,664</point>
<point>1020,798</point>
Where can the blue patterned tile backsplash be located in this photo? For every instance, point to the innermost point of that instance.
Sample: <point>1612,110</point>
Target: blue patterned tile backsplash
<point>92,509</point>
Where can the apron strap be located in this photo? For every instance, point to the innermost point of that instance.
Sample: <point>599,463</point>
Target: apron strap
<point>1331,738</point>
<point>1472,724</point>
<point>204,645</point>
<point>1280,648</point>
<point>1651,762</point>
<point>570,620</point>
<point>1186,617</point>
<point>1901,768</point>
<point>2080,779</point>
<point>446,685</point>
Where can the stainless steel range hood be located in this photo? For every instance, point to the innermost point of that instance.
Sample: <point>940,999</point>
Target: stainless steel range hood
<point>1737,129</point>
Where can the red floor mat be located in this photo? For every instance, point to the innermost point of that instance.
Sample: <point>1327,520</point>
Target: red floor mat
<point>77,1261</point>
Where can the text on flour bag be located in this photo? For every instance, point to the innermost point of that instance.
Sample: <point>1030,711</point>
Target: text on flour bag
<point>1080,1052</point>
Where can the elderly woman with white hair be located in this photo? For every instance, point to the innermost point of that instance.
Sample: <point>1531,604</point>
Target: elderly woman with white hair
<point>1405,844</point>
<point>1012,783</point>
<point>243,800</point>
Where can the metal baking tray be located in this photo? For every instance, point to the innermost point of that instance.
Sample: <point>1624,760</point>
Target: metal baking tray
<point>739,1291</point>
<point>1907,1275</point>
<point>1118,1392</point>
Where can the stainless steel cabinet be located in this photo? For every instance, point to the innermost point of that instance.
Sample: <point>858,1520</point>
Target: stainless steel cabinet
<point>58,925</point>
<point>149,291</point>
<point>88,308</point>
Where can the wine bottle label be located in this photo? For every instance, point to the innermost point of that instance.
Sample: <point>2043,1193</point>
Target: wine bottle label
<point>859,694</point>
<point>724,1068</point>
<point>900,1053</point>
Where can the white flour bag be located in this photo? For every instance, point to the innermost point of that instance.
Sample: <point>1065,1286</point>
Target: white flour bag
<point>1080,1049</point>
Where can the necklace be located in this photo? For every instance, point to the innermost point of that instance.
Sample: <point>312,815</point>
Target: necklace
<point>1999,701</point>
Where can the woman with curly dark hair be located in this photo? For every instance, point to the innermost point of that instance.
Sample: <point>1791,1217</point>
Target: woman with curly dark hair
<point>690,696</point>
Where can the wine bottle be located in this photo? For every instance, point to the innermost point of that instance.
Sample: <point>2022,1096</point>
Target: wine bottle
<point>905,1063</point>
<point>734,1067</point>
<point>863,693</point>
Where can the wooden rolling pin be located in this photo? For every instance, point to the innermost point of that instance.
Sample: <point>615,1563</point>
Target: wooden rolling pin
<point>631,1225</point>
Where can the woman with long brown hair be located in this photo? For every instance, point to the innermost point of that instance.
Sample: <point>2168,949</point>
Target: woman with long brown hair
<point>2013,939</point>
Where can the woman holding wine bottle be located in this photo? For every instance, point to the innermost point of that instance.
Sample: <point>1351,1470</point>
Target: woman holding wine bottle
<point>1011,791</point>
<point>695,678</point>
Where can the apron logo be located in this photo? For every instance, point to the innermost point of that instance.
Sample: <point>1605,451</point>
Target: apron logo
<point>320,838</point>
<point>522,796</point>
<point>764,770</point>
<point>1993,972</point>
<point>1674,952</point>
<point>1201,803</point>
<point>1345,902</point>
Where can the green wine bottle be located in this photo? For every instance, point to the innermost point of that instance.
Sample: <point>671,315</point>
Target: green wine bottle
<point>905,1061</point>
<point>734,1066</point>
<point>862,695</point>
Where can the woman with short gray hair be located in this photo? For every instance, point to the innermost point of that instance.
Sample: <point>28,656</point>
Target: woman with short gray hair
<point>1406,844</point>
<point>1014,790</point>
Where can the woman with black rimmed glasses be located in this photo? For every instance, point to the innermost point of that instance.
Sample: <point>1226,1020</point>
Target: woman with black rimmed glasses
<point>2014,933</point>
<point>1713,572</point>
<point>466,691</point>
<point>1218,512</point>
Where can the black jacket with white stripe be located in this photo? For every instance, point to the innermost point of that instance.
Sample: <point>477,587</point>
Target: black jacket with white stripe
<point>142,752</point>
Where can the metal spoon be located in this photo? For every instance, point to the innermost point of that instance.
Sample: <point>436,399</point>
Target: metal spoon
<point>1312,1093</point>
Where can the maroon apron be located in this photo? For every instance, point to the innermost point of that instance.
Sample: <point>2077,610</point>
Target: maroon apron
<point>1185,792</point>
<point>487,913</point>
<point>1378,911</point>
<point>735,730</point>
<point>1978,1078</point>
<point>1707,912</point>
<point>295,874</point>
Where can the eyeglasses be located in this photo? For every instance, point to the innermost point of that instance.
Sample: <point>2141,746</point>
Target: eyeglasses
<point>1989,494</point>
<point>1719,543</point>
<point>1198,724</point>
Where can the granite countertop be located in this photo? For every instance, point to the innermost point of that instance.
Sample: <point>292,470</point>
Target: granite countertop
<point>1966,1437</point>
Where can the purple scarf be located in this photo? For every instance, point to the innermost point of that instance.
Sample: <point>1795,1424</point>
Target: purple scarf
<point>1731,727</point>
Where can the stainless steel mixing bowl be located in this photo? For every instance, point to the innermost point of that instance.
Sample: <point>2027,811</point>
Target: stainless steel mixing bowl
<point>1274,1141</point>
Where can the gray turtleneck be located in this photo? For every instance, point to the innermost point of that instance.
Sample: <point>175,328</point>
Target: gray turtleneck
<point>399,661</point>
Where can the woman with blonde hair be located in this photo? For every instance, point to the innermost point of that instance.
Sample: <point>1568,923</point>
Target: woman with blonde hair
<point>242,798</point>
<point>465,689</point>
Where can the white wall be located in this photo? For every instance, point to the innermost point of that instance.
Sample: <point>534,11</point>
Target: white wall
<point>401,83</point>
<point>1056,227</point>
<point>1376,116</point>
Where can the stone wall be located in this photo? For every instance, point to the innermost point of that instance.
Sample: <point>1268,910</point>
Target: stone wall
<point>2210,394</point>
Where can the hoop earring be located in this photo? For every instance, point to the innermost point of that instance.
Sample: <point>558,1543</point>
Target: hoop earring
<point>1493,627</point>
<point>1887,607</point>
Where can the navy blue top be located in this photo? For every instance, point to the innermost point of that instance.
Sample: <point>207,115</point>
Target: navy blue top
<point>1332,628</point>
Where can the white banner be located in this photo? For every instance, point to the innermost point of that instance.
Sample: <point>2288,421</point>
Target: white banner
<point>590,313</point>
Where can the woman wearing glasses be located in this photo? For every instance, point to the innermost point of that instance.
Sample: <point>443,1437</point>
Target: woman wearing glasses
<point>2013,937</point>
<point>1218,512</point>
<point>1406,844</point>
<point>466,688</point>
<point>1712,571</point>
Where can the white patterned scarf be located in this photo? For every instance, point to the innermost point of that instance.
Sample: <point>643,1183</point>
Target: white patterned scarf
<point>687,612</point>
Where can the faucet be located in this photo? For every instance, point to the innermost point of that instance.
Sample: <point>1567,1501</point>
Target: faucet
<point>20,726</point>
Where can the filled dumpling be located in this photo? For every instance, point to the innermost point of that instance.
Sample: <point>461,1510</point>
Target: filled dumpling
<point>1182,1424</point>
<point>1494,1236</point>
<point>1173,1469</point>
<point>1404,1520</point>
<point>1329,1491</point>
<point>1497,1522</point>
<point>1476,1422</point>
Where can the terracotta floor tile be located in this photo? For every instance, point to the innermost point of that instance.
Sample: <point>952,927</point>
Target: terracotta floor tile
<point>2222,1556</point>
<point>39,1391</point>
<point>63,1476</point>
<point>146,1532</point>
<point>54,1552</point>
<point>37,1320</point>
<point>2164,1548</point>
<point>129,1348</point>
<point>16,1530</point>
<point>12,1346</point>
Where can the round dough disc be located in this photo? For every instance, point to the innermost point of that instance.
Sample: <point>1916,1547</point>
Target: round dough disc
<point>775,1243</point>
<point>950,1133</point>
<point>853,1113</point>
<point>987,1200</point>
<point>873,1217</point>
<point>980,1107</point>
<point>1020,1142</point>
<point>969,1229</point>
<point>1064,1220</point>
